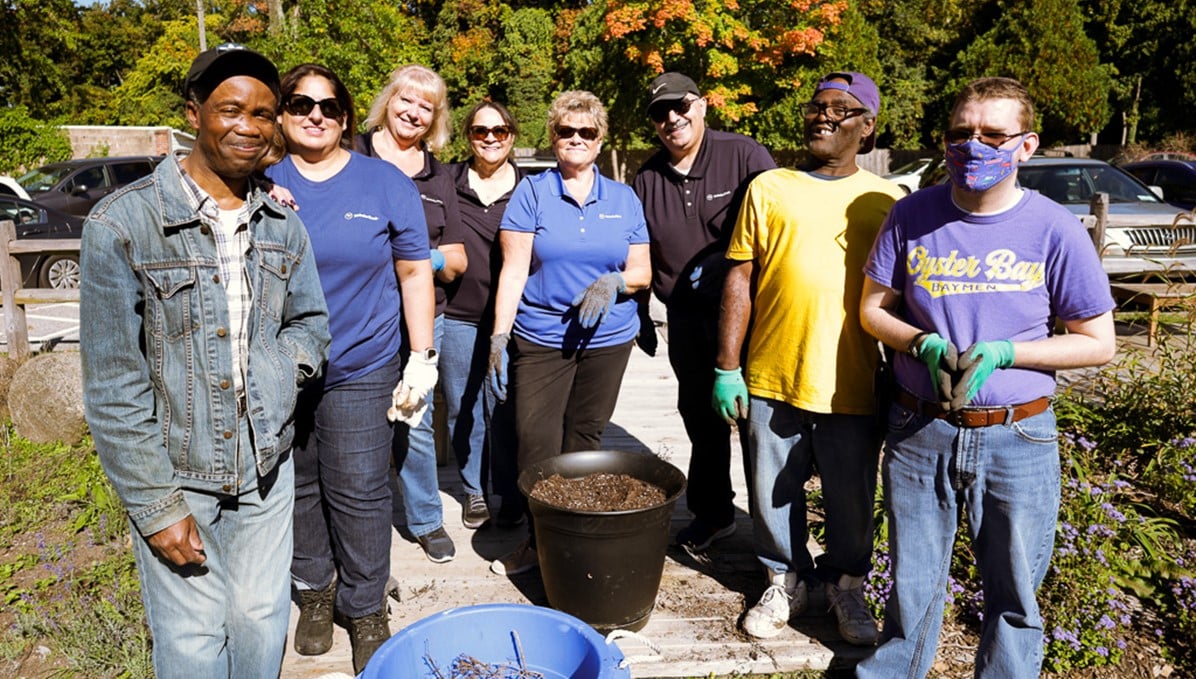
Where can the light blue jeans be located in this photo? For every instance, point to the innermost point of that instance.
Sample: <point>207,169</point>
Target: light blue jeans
<point>787,445</point>
<point>1006,477</point>
<point>414,451</point>
<point>227,617</point>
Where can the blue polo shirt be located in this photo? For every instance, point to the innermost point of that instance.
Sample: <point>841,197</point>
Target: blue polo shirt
<point>359,222</point>
<point>574,245</point>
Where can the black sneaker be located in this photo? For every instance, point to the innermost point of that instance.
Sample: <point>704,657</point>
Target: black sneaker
<point>366,634</point>
<point>474,512</point>
<point>438,546</point>
<point>313,632</point>
<point>698,535</point>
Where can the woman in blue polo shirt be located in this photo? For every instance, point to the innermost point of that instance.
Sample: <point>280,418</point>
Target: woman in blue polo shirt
<point>575,248</point>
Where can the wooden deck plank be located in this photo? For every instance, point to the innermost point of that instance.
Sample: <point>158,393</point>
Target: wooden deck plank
<point>700,600</point>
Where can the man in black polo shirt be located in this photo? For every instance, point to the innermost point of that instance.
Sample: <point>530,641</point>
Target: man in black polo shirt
<point>691,190</point>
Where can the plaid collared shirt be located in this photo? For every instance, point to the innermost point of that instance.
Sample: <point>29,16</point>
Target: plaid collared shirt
<point>232,242</point>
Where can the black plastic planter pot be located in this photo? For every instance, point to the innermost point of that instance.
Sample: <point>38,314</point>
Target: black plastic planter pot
<point>604,567</point>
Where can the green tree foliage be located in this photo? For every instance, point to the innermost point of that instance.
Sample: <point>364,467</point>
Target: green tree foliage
<point>363,42</point>
<point>1042,44</point>
<point>26,143</point>
<point>32,34</point>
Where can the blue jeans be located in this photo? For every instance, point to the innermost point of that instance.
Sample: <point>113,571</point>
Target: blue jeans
<point>787,445</point>
<point>414,451</point>
<point>342,500</point>
<point>227,617</point>
<point>1007,479</point>
<point>479,428</point>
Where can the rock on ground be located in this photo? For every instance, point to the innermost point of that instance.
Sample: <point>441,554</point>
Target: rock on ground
<point>45,398</point>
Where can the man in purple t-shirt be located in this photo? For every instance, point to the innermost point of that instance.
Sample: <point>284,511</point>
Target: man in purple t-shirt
<point>966,281</point>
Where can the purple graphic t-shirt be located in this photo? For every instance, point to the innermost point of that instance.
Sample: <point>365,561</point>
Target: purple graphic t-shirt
<point>973,278</point>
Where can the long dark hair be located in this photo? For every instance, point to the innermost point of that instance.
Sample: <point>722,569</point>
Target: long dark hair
<point>292,78</point>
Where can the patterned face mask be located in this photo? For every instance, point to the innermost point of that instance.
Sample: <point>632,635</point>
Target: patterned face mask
<point>976,166</point>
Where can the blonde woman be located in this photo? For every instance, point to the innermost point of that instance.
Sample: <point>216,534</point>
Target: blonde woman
<point>408,122</point>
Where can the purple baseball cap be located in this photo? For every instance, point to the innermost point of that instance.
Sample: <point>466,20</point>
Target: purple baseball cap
<point>856,84</point>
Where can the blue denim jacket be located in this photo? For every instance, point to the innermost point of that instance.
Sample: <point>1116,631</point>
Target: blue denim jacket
<point>157,356</point>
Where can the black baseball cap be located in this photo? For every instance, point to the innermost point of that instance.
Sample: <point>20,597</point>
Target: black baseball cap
<point>671,86</point>
<point>229,60</point>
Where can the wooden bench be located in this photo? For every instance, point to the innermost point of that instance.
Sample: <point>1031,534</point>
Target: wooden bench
<point>1156,297</point>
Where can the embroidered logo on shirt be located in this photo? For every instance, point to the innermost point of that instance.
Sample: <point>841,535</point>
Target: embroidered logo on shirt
<point>955,275</point>
<point>430,199</point>
<point>716,196</point>
<point>359,215</point>
<point>603,215</point>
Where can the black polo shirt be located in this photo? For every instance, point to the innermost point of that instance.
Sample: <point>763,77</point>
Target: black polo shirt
<point>439,198</point>
<point>471,296</point>
<point>690,217</point>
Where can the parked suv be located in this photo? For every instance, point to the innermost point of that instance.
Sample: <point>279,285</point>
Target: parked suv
<point>75,186</point>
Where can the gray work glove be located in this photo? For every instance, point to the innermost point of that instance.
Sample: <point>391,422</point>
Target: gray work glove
<point>496,371</point>
<point>594,303</point>
<point>941,358</point>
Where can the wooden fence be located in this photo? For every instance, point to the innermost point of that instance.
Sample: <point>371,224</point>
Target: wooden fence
<point>14,297</point>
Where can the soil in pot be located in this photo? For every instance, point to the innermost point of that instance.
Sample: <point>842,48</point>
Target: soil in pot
<point>599,492</point>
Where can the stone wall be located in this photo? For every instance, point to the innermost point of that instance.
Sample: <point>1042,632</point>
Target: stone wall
<point>90,141</point>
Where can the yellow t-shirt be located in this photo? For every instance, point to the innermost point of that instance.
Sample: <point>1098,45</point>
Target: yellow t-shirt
<point>809,239</point>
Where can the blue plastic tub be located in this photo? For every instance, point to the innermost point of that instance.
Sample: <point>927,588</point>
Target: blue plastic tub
<point>553,643</point>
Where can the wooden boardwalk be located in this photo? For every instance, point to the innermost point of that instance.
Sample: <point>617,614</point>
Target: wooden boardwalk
<point>700,601</point>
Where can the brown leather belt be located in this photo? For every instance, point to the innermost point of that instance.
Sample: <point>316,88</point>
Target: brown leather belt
<point>974,417</point>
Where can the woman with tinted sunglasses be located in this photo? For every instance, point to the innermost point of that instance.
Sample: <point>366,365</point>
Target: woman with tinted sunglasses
<point>480,430</point>
<point>407,123</point>
<point>574,250</point>
<point>367,233</point>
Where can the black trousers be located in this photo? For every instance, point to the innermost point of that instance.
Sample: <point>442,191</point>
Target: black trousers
<point>563,398</point>
<point>693,347</point>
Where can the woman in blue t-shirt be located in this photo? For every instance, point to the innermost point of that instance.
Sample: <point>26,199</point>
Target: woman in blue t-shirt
<point>575,248</point>
<point>370,243</point>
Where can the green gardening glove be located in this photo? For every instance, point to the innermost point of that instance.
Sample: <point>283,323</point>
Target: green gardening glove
<point>976,365</point>
<point>940,357</point>
<point>730,395</point>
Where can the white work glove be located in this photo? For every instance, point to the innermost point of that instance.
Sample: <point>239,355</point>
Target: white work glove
<point>411,395</point>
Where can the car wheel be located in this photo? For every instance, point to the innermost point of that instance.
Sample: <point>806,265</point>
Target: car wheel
<point>60,272</point>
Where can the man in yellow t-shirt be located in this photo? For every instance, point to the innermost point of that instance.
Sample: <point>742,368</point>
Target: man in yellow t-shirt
<point>798,253</point>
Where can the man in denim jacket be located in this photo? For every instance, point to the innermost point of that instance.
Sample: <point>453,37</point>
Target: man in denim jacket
<point>200,314</point>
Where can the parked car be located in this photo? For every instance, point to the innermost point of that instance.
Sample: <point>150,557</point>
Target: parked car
<point>75,186</point>
<point>1142,235</point>
<point>10,187</point>
<point>534,164</point>
<point>1175,178</point>
<point>47,269</point>
<point>909,175</point>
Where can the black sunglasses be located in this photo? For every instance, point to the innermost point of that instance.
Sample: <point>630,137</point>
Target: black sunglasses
<point>301,105</point>
<point>587,133</point>
<point>659,112</point>
<point>480,132</point>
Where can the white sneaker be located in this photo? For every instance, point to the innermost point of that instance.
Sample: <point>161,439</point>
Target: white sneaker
<point>785,598</point>
<point>846,599</point>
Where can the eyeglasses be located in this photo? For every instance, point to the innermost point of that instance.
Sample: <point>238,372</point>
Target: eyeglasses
<point>834,112</point>
<point>301,105</point>
<point>659,112</point>
<point>993,139</point>
<point>480,132</point>
<point>587,133</point>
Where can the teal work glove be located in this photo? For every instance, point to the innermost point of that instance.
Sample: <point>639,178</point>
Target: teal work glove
<point>730,395</point>
<point>594,303</point>
<point>940,357</point>
<point>976,365</point>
